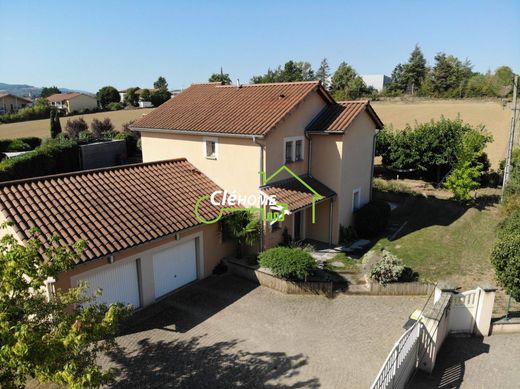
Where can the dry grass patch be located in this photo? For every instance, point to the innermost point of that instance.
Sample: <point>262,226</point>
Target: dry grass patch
<point>41,128</point>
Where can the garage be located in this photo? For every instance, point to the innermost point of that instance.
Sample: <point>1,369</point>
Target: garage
<point>175,267</point>
<point>118,282</point>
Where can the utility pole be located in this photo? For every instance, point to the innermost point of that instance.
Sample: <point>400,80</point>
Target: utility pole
<point>507,168</point>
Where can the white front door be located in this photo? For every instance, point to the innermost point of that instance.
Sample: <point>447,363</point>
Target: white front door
<point>175,267</point>
<point>118,283</point>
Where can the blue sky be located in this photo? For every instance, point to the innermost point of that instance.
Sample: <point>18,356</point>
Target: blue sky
<point>88,44</point>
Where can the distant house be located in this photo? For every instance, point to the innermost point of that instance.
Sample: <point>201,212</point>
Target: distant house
<point>11,103</point>
<point>72,102</point>
<point>138,91</point>
<point>377,81</point>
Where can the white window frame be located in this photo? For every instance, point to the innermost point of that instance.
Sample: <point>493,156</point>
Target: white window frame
<point>205,148</point>
<point>293,140</point>
<point>355,206</point>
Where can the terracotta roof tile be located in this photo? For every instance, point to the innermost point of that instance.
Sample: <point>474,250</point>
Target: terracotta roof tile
<point>253,109</point>
<point>62,96</point>
<point>336,118</point>
<point>296,195</point>
<point>112,209</point>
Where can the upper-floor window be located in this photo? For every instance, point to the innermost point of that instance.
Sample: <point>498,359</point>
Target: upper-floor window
<point>293,149</point>
<point>210,148</point>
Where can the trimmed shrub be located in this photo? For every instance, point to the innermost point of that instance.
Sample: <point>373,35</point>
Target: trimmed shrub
<point>114,106</point>
<point>32,141</point>
<point>505,257</point>
<point>52,157</point>
<point>286,262</point>
<point>19,144</point>
<point>510,225</point>
<point>372,219</point>
<point>388,269</point>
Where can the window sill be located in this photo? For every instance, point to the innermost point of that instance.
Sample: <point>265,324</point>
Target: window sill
<point>212,158</point>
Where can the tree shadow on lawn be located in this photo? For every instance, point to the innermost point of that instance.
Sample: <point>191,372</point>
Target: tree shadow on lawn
<point>191,364</point>
<point>191,305</point>
<point>419,212</point>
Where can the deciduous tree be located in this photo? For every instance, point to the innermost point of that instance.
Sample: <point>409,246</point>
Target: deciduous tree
<point>49,91</point>
<point>220,77</point>
<point>50,340</point>
<point>107,95</point>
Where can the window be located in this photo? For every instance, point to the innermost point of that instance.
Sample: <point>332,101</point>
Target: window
<point>293,149</point>
<point>210,148</point>
<point>356,199</point>
<point>298,156</point>
<point>288,152</point>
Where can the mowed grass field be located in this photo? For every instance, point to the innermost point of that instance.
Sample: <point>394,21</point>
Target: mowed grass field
<point>495,117</point>
<point>40,128</point>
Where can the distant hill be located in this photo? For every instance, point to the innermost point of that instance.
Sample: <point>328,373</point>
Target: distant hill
<point>29,90</point>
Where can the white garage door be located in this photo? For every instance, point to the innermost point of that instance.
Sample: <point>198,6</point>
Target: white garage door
<point>174,267</point>
<point>119,283</point>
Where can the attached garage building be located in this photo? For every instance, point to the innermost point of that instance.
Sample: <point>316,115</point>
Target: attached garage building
<point>143,239</point>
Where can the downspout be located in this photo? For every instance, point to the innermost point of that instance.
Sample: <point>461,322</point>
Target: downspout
<point>261,248</point>
<point>330,221</point>
<point>374,139</point>
<point>309,160</point>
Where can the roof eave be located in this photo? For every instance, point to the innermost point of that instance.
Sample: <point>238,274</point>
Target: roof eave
<point>200,133</point>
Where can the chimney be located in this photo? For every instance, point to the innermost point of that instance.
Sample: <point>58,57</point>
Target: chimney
<point>238,83</point>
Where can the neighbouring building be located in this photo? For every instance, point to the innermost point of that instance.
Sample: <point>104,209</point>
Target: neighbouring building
<point>10,103</point>
<point>138,92</point>
<point>232,132</point>
<point>72,102</point>
<point>144,240</point>
<point>376,81</point>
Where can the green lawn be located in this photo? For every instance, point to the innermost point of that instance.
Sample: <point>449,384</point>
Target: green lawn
<point>443,240</point>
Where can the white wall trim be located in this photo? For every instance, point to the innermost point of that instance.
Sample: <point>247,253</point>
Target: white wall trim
<point>204,147</point>
<point>293,139</point>
<point>354,205</point>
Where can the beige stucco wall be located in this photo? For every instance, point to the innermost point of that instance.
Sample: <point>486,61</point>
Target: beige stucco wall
<point>358,149</point>
<point>82,102</point>
<point>293,125</point>
<point>320,229</point>
<point>7,101</point>
<point>236,168</point>
<point>211,251</point>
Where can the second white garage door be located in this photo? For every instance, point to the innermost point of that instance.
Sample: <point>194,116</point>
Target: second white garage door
<point>174,267</point>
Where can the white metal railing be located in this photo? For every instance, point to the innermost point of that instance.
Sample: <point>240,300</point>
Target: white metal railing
<point>402,360</point>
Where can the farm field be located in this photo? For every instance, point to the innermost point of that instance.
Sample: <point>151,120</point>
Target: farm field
<point>40,128</point>
<point>495,117</point>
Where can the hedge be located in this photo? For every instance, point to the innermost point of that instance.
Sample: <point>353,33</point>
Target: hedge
<point>286,262</point>
<point>20,144</point>
<point>53,157</point>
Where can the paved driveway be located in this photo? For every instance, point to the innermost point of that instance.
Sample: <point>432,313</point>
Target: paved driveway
<point>474,363</point>
<point>226,332</point>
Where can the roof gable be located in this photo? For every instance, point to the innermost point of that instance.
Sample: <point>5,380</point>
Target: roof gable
<point>251,110</point>
<point>64,96</point>
<point>112,209</point>
<point>336,118</point>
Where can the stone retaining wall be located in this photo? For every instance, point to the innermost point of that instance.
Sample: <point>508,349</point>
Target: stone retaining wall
<point>267,279</point>
<point>400,289</point>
